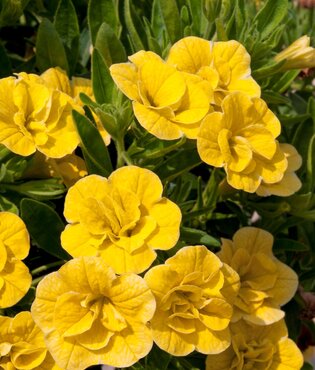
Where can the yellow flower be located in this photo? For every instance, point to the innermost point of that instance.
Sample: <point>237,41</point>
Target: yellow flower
<point>290,183</point>
<point>34,117</point>
<point>266,283</point>
<point>224,65</point>
<point>22,345</point>
<point>70,168</point>
<point>166,102</point>
<point>259,348</point>
<point>298,55</point>
<point>194,291</point>
<point>242,140</point>
<point>90,316</point>
<point>15,278</point>
<point>122,219</point>
<point>56,78</point>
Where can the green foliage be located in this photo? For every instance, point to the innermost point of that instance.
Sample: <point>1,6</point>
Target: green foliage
<point>46,234</point>
<point>50,51</point>
<point>93,147</point>
<point>84,38</point>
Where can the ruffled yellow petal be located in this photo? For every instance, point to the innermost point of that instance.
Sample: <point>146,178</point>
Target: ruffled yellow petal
<point>146,184</point>
<point>91,185</point>
<point>207,139</point>
<point>14,235</point>
<point>190,54</point>
<point>168,218</point>
<point>125,76</point>
<point>56,78</point>
<point>123,262</point>
<point>288,356</point>
<point>161,85</point>
<point>212,341</point>
<point>157,121</point>
<point>137,303</point>
<point>253,240</point>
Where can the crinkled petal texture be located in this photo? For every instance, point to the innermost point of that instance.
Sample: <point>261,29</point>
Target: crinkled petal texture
<point>123,219</point>
<point>166,102</point>
<point>259,348</point>
<point>242,139</point>
<point>224,65</point>
<point>194,293</point>
<point>22,345</point>
<point>15,278</point>
<point>36,117</point>
<point>266,283</point>
<point>290,183</point>
<point>90,316</point>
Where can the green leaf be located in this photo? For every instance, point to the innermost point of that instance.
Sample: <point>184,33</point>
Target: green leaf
<point>270,16</point>
<point>66,24</point>
<point>289,245</point>
<point>38,189</point>
<point>310,175</point>
<point>272,97</point>
<point>7,206</point>
<point>182,161</point>
<point>221,32</point>
<point>100,11</point>
<point>268,70</point>
<point>131,22</point>
<point>195,236</point>
<point>284,82</point>
<point>171,19</point>
<point>44,226</point>
<point>11,10</point>
<point>49,48</point>
<point>102,81</point>
<point>300,139</point>
<point>93,145</point>
<point>311,109</point>
<point>5,64</point>
<point>110,47</point>
<point>84,47</point>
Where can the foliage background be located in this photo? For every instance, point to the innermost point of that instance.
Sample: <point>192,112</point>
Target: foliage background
<point>85,38</point>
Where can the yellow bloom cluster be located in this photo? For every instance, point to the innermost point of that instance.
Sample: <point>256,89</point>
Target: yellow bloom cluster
<point>90,316</point>
<point>259,348</point>
<point>194,293</point>
<point>123,219</point>
<point>204,90</point>
<point>36,117</point>
<point>15,278</point>
<point>22,345</point>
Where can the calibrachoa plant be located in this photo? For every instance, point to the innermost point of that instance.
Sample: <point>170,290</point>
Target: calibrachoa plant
<point>156,184</point>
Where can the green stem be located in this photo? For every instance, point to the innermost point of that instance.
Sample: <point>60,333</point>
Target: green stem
<point>120,147</point>
<point>43,268</point>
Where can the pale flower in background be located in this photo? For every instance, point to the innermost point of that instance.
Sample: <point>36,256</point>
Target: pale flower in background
<point>258,348</point>
<point>298,55</point>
